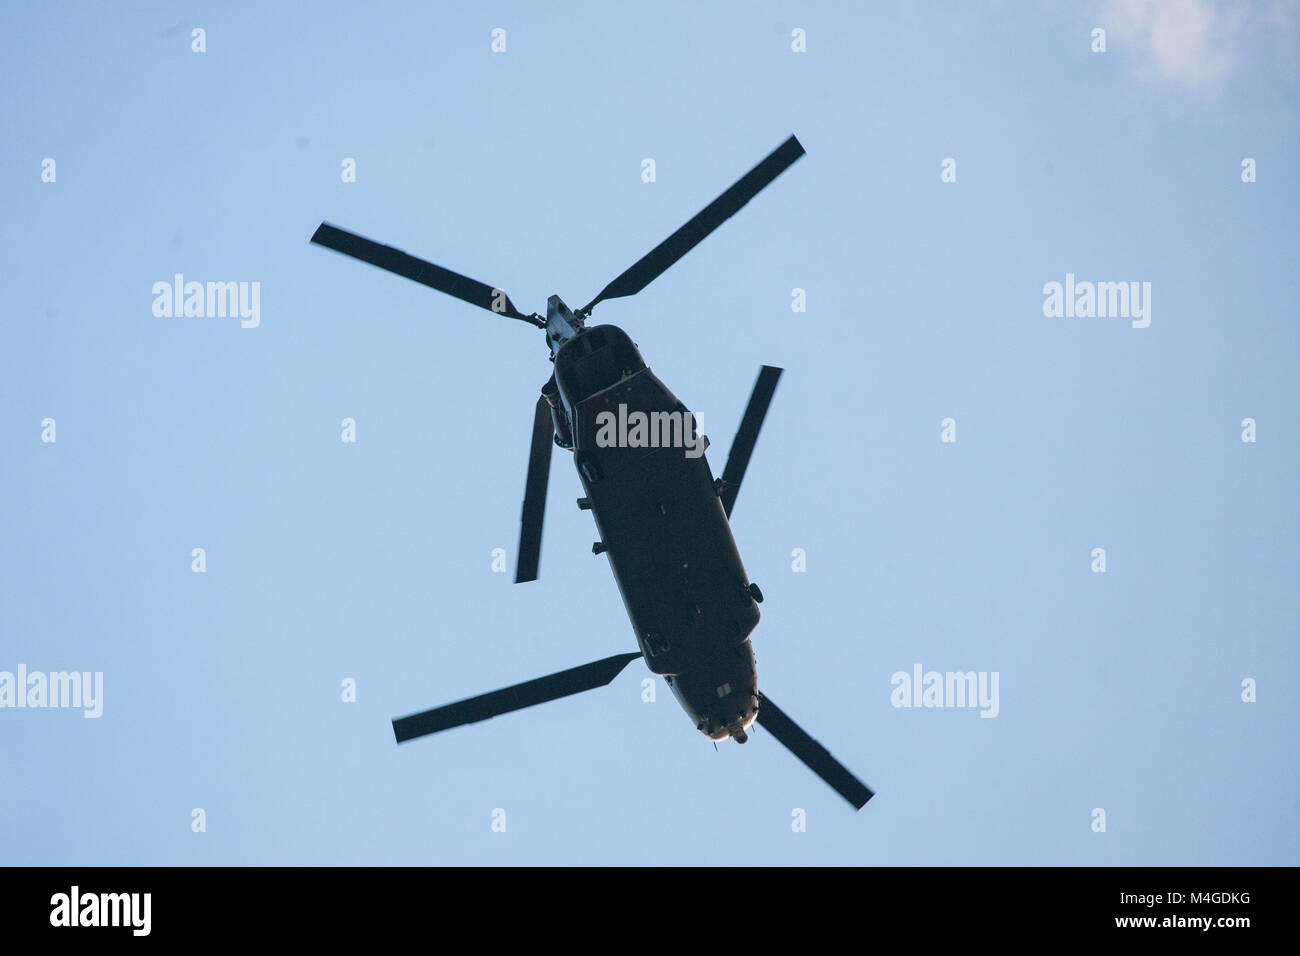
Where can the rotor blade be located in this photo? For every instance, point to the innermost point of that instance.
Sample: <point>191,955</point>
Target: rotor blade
<point>426,273</point>
<point>742,446</point>
<point>534,511</point>
<point>814,755</point>
<point>658,259</point>
<point>552,687</point>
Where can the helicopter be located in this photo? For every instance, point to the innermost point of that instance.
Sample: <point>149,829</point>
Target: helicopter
<point>662,518</point>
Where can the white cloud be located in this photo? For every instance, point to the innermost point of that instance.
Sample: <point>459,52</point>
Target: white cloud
<point>1192,42</point>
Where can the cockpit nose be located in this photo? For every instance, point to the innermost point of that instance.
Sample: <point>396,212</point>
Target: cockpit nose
<point>737,727</point>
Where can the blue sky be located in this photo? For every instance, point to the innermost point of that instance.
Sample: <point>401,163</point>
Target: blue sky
<point>372,561</point>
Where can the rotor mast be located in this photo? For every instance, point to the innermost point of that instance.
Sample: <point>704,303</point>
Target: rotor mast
<point>562,324</point>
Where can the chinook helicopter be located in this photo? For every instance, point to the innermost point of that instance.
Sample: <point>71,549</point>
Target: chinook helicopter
<point>663,520</point>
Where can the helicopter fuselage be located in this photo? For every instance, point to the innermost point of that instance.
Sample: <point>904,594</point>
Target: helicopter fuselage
<point>662,527</point>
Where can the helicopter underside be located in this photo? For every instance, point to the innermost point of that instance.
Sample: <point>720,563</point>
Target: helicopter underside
<point>664,530</point>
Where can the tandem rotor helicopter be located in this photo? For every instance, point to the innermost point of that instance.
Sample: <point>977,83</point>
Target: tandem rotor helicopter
<point>662,518</point>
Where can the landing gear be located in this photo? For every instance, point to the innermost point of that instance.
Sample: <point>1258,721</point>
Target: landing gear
<point>755,593</point>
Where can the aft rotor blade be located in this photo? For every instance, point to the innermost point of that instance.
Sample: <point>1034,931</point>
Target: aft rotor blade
<point>816,757</point>
<point>658,259</point>
<point>552,687</point>
<point>425,273</point>
<point>742,446</point>
<point>534,510</point>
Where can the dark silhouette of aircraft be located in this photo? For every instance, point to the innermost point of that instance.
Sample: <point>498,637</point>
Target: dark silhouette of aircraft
<point>663,520</point>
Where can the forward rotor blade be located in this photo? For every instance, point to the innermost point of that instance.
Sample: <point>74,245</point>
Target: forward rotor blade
<point>742,446</point>
<point>658,259</point>
<point>425,273</point>
<point>552,687</point>
<point>816,757</point>
<point>534,510</point>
